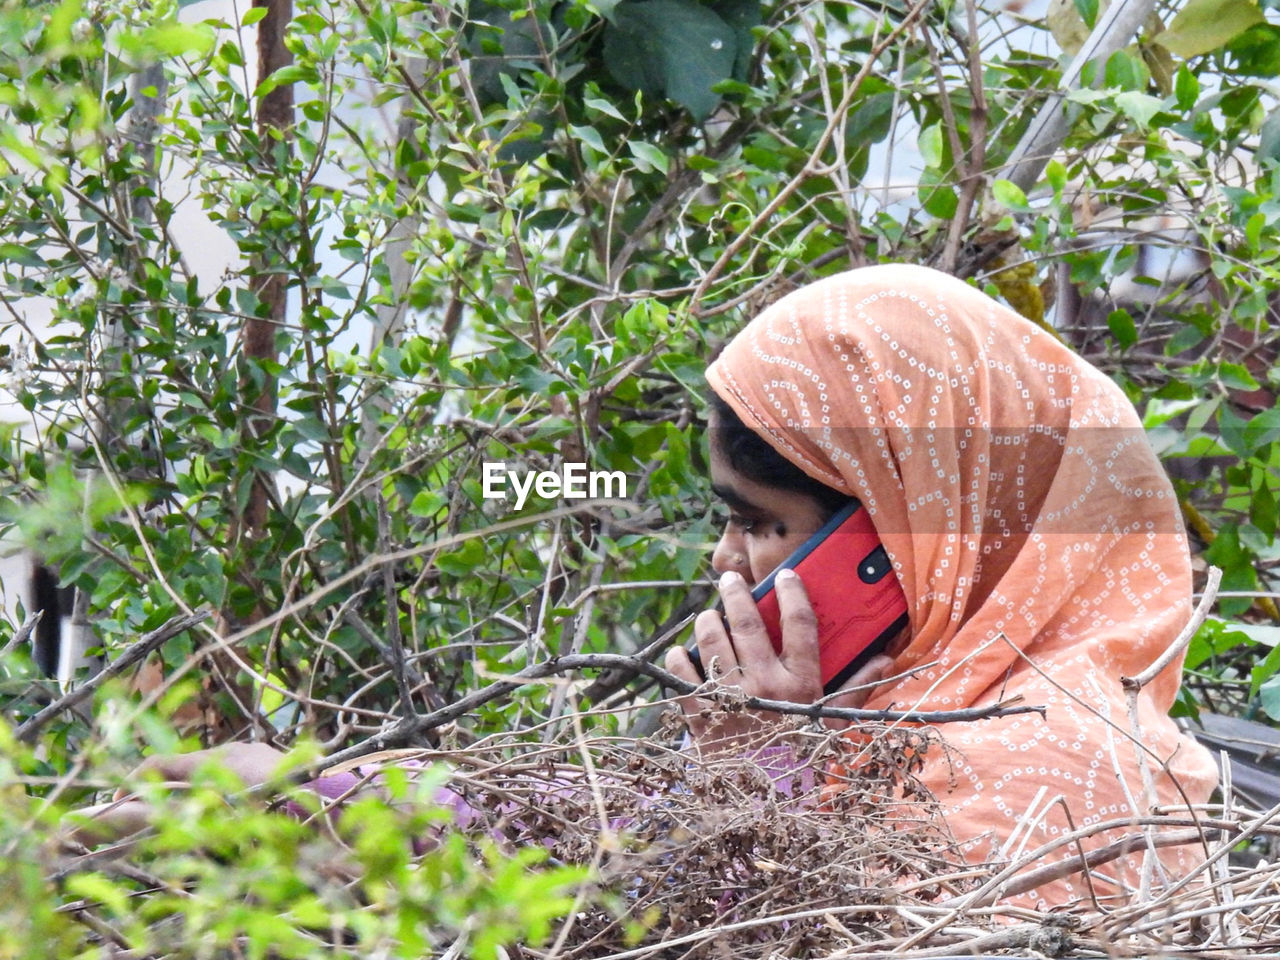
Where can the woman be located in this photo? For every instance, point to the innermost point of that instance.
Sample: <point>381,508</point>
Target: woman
<point>1037,539</point>
<point>1035,536</point>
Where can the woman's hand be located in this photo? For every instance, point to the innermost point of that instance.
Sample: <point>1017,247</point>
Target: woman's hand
<point>253,763</point>
<point>744,656</point>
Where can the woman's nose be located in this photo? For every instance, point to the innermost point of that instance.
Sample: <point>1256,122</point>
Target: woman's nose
<point>729,555</point>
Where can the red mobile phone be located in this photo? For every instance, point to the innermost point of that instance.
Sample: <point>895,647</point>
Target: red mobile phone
<point>858,601</point>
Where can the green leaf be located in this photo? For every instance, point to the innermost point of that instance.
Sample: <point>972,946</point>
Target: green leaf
<point>20,254</point>
<point>1238,573</point>
<point>603,106</point>
<point>1087,96</point>
<point>937,196</point>
<point>1265,670</point>
<point>427,503</point>
<point>671,48</point>
<point>1127,72</point>
<point>1200,415</point>
<point>1231,429</point>
<point>870,121</point>
<point>1056,175</point>
<point>1262,634</point>
<point>742,16</point>
<point>939,201</point>
<point>464,560</point>
<point>178,39</point>
<point>1088,10</point>
<point>290,74</point>
<point>253,15</point>
<point>1186,88</point>
<point>1256,52</point>
<point>94,886</point>
<point>61,20</point>
<point>1235,376</point>
<point>1139,107</point>
<point>649,154</point>
<point>591,137</point>
<point>1009,194</point>
<point>538,381</point>
<point>1160,411</point>
<point>1122,328</point>
<point>1269,697</point>
<point>931,147</point>
<point>1263,428</point>
<point>1262,508</point>
<point>1205,25</point>
<point>1184,338</point>
<point>1213,638</point>
<point>1269,137</point>
<point>1253,231</point>
<point>308,427</point>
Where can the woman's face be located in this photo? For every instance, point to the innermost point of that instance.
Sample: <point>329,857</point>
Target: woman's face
<point>765,523</point>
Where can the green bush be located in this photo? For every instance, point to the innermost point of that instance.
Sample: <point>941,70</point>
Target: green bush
<point>548,215</point>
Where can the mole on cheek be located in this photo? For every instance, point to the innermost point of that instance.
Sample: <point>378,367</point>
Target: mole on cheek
<point>780,529</point>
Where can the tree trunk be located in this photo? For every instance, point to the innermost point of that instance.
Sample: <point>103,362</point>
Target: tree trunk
<point>275,126</point>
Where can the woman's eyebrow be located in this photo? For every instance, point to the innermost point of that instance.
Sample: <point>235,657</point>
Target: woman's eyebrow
<point>732,497</point>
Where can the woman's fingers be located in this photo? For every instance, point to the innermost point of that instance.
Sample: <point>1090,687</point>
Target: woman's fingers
<point>858,689</point>
<point>176,768</point>
<point>107,822</point>
<point>677,662</point>
<point>253,763</point>
<point>749,640</point>
<point>171,768</point>
<point>744,655</point>
<point>800,654</point>
<point>717,650</point>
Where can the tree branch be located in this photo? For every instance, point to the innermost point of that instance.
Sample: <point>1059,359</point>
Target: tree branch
<point>23,633</point>
<point>134,654</point>
<point>1049,128</point>
<point>410,728</point>
<point>1133,685</point>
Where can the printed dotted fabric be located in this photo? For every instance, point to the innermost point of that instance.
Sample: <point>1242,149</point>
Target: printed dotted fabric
<point>1031,526</point>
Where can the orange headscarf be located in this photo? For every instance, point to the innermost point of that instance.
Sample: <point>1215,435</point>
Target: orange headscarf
<point>1035,534</point>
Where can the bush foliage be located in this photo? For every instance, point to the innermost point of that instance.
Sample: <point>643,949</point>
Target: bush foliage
<point>458,233</point>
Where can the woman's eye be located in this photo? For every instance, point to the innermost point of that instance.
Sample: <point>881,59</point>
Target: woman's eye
<point>745,524</point>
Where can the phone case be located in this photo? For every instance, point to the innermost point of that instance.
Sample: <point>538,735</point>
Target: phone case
<point>858,601</point>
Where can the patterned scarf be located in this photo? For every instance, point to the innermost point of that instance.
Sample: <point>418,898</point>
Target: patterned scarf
<point>1033,530</point>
